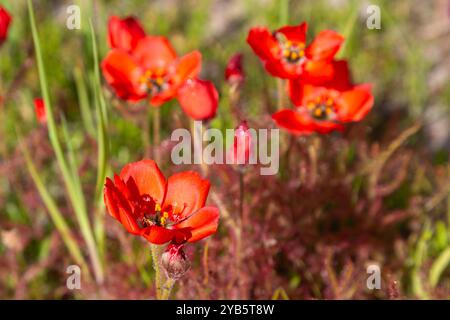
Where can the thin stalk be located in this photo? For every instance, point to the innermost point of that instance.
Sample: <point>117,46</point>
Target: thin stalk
<point>83,100</point>
<point>79,206</point>
<point>239,233</point>
<point>54,213</point>
<point>439,266</point>
<point>156,134</point>
<point>146,132</point>
<point>167,289</point>
<point>241,195</point>
<point>103,148</point>
<point>280,94</point>
<point>156,255</point>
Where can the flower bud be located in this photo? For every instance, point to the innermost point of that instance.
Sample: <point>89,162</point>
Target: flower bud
<point>5,20</point>
<point>39,109</point>
<point>234,72</point>
<point>242,145</point>
<point>174,261</point>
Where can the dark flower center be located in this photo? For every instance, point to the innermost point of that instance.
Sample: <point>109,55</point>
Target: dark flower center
<point>321,108</point>
<point>154,82</point>
<point>291,51</point>
<point>149,213</point>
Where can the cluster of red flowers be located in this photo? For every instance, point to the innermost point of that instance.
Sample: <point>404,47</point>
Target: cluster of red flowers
<point>141,66</point>
<point>319,86</point>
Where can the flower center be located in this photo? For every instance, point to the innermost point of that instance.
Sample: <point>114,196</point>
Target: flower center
<point>292,51</point>
<point>150,213</point>
<point>153,82</point>
<point>321,108</point>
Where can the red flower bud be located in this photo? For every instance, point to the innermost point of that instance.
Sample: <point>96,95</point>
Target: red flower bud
<point>5,20</point>
<point>242,145</point>
<point>174,261</point>
<point>39,109</point>
<point>234,72</point>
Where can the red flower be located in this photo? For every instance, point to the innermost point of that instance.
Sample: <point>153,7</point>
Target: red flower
<point>327,107</point>
<point>242,144</point>
<point>285,54</point>
<point>161,210</point>
<point>147,67</point>
<point>39,110</point>
<point>234,72</point>
<point>5,20</point>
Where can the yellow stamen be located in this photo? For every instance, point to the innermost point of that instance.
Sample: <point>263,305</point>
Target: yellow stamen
<point>318,112</point>
<point>157,207</point>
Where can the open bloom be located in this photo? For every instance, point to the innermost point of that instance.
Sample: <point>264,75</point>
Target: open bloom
<point>39,110</point>
<point>5,20</point>
<point>141,67</point>
<point>327,107</point>
<point>285,54</point>
<point>161,210</point>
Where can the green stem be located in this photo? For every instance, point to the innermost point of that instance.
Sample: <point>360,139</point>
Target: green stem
<point>167,289</point>
<point>156,255</point>
<point>156,134</point>
<point>78,204</point>
<point>280,94</point>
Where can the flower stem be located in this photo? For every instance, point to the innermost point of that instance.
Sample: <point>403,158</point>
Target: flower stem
<point>167,289</point>
<point>146,133</point>
<point>241,196</point>
<point>156,254</point>
<point>280,94</point>
<point>156,134</point>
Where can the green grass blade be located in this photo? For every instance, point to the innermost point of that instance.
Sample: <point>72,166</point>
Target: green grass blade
<point>83,100</point>
<point>438,267</point>
<point>103,145</point>
<point>56,216</point>
<point>78,206</point>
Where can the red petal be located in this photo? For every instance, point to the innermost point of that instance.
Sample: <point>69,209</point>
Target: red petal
<point>154,53</point>
<point>187,67</point>
<point>199,99</point>
<point>148,178</point>
<point>301,124</point>
<point>317,72</point>
<point>299,91</point>
<point>353,105</point>
<point>295,33</point>
<point>341,76</point>
<point>263,43</point>
<point>158,235</point>
<point>124,33</point>
<point>122,74</point>
<point>118,207</point>
<point>202,223</point>
<point>186,193</point>
<point>325,45</point>
<point>5,20</point>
